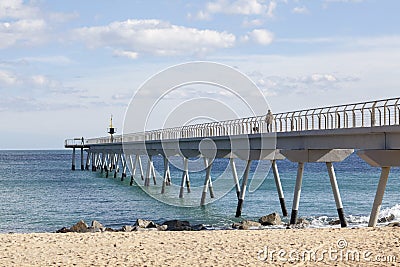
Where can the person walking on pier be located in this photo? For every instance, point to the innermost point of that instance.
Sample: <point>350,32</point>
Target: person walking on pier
<point>268,119</point>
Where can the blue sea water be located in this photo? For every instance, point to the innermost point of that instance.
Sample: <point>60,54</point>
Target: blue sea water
<point>39,193</point>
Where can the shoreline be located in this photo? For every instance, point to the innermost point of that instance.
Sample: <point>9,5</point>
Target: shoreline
<point>309,246</point>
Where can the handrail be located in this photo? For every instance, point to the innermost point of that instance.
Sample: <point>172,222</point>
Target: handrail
<point>363,114</point>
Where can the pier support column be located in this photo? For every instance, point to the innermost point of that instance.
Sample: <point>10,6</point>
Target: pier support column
<point>206,181</point>
<point>384,159</point>
<point>133,168</point>
<point>279,188</point>
<point>87,160</point>
<point>185,175</point>
<point>139,161</point>
<point>149,171</point>
<point>235,176</point>
<point>82,166</point>
<point>380,191</point>
<point>117,159</point>
<point>243,189</point>
<point>123,159</point>
<point>103,162</point>
<point>297,192</point>
<point>167,174</point>
<point>336,194</point>
<point>94,162</point>
<point>73,159</point>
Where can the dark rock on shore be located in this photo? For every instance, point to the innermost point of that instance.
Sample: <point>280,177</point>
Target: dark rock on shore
<point>389,218</point>
<point>394,224</point>
<point>177,225</point>
<point>245,225</point>
<point>334,222</point>
<point>79,227</point>
<point>145,224</point>
<point>270,219</point>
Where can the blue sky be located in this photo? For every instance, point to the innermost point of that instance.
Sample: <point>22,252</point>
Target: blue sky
<point>65,66</point>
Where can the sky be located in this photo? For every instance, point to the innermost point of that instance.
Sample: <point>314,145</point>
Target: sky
<point>66,66</point>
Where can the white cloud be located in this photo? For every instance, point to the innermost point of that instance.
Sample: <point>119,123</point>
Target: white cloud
<point>7,78</point>
<point>300,10</point>
<point>154,37</point>
<point>260,36</point>
<point>16,9</point>
<point>26,32</point>
<point>238,7</point>
<point>252,23</point>
<point>128,54</point>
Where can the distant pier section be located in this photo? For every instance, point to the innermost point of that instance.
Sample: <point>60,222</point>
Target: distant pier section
<point>326,135</point>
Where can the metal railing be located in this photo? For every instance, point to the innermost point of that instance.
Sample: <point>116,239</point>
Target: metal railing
<point>366,114</point>
<point>75,142</point>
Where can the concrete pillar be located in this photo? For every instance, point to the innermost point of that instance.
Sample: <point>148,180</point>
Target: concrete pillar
<point>133,168</point>
<point>73,159</point>
<point>380,191</point>
<point>123,160</point>
<point>117,159</point>
<point>82,166</point>
<point>88,160</point>
<point>184,176</point>
<point>206,182</point>
<point>279,188</point>
<point>243,189</point>
<point>103,161</point>
<point>235,176</point>
<point>297,192</point>
<point>139,161</point>
<point>336,194</point>
<point>166,174</point>
<point>149,171</point>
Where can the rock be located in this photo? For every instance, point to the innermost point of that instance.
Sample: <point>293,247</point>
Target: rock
<point>162,227</point>
<point>108,229</point>
<point>245,225</point>
<point>145,224</point>
<point>97,225</point>
<point>177,225</point>
<point>300,223</point>
<point>271,219</point>
<point>79,227</point>
<point>334,222</point>
<point>63,230</point>
<point>386,219</point>
<point>394,224</point>
<point>199,227</point>
<point>127,228</point>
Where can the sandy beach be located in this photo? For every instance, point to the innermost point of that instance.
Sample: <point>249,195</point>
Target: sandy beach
<point>293,247</point>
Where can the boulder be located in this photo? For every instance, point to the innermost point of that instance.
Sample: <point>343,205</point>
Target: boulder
<point>394,224</point>
<point>245,225</point>
<point>127,228</point>
<point>199,227</point>
<point>63,230</point>
<point>389,218</point>
<point>162,227</point>
<point>145,224</point>
<point>271,219</point>
<point>97,225</point>
<point>334,222</point>
<point>79,227</point>
<point>177,225</point>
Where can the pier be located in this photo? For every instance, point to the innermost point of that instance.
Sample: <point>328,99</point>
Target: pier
<point>325,135</point>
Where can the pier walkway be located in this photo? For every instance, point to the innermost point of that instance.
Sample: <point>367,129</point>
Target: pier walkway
<point>326,135</point>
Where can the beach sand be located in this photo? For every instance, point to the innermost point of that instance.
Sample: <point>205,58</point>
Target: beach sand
<point>291,247</point>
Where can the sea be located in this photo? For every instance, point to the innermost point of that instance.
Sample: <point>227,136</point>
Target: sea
<point>40,193</point>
